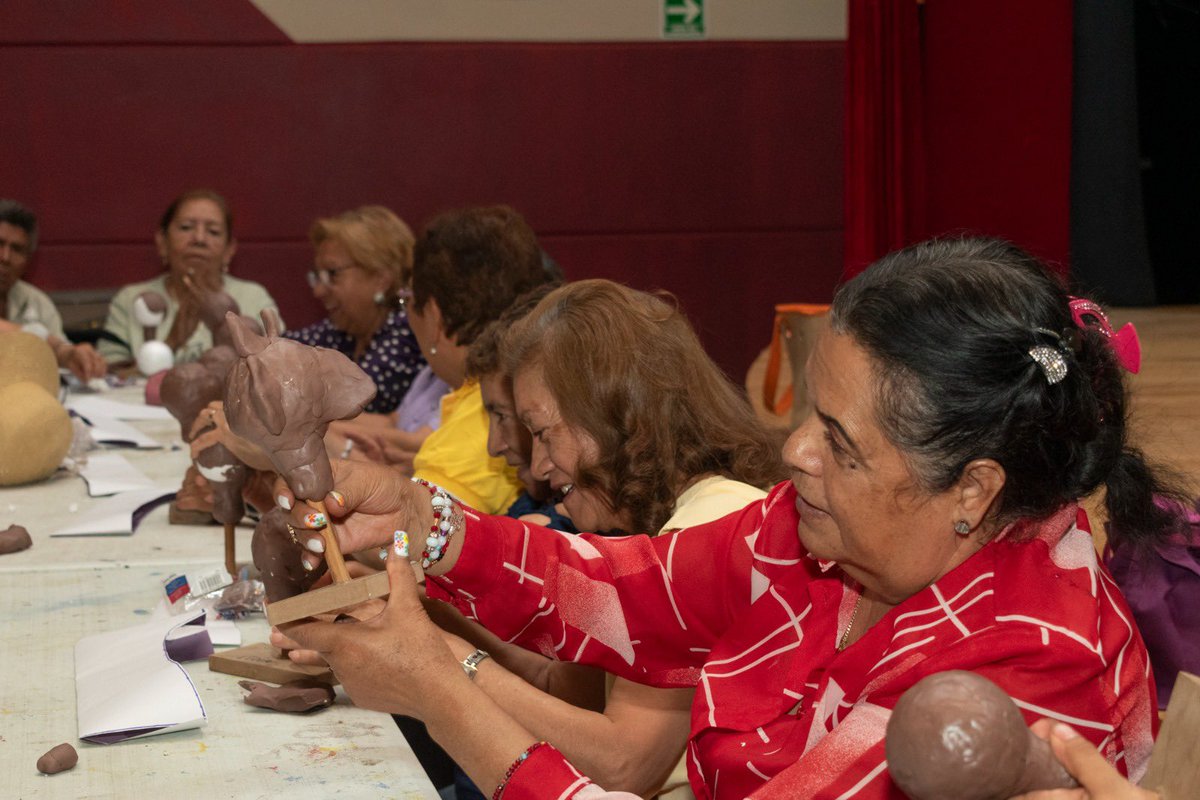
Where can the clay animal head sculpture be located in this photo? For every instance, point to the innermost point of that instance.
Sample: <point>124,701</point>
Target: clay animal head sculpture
<point>956,735</point>
<point>282,395</point>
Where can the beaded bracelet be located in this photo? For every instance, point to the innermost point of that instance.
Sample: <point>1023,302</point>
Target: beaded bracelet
<point>442,528</point>
<point>513,768</point>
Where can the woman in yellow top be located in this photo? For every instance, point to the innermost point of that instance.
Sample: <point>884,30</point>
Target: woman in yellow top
<point>468,267</point>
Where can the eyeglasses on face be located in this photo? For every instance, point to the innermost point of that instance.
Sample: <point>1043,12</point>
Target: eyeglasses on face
<point>325,277</point>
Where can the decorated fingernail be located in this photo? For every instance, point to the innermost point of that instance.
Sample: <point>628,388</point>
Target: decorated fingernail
<point>314,520</point>
<point>400,543</point>
<point>284,503</point>
<point>315,545</point>
<point>339,498</point>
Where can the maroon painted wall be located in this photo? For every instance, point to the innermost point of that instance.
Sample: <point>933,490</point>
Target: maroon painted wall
<point>713,170</point>
<point>997,99</point>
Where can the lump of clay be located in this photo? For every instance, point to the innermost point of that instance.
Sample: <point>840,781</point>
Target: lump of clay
<point>14,539</point>
<point>278,559</point>
<point>296,697</point>
<point>956,735</point>
<point>282,395</point>
<point>60,758</point>
<point>35,433</point>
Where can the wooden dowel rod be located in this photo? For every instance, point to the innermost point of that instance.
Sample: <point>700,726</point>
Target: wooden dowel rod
<point>230,548</point>
<point>333,554</point>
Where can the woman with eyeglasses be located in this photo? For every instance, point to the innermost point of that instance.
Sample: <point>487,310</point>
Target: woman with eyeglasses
<point>363,263</point>
<point>195,242</point>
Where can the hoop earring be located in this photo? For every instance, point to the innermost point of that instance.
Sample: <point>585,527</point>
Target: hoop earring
<point>962,527</point>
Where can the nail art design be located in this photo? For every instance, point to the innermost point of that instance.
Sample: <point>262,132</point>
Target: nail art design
<point>400,543</point>
<point>339,498</point>
<point>315,520</point>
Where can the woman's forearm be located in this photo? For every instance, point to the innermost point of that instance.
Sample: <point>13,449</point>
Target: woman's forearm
<point>630,747</point>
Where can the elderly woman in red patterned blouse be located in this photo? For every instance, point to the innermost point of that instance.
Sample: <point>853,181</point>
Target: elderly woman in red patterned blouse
<point>930,524</point>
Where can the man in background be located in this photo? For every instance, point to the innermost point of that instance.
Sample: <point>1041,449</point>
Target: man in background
<point>23,306</point>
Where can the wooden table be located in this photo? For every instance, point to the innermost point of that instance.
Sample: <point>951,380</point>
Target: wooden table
<point>63,589</point>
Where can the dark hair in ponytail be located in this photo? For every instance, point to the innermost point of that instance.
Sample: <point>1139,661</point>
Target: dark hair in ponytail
<point>949,324</point>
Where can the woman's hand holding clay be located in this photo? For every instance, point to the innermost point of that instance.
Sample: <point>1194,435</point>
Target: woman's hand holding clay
<point>1098,779</point>
<point>397,661</point>
<point>369,503</point>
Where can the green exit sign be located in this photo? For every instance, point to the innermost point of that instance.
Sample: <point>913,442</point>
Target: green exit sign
<point>683,19</point>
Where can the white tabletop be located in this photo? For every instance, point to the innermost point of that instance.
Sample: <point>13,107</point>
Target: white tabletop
<point>63,589</point>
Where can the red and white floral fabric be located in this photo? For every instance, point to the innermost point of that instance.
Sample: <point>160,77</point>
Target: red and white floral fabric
<point>739,608</point>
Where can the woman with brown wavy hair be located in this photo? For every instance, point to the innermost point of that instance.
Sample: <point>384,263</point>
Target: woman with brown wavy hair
<point>640,431</point>
<point>642,421</point>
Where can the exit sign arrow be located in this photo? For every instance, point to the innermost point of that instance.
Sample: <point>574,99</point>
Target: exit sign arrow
<point>683,19</point>
<point>689,10</point>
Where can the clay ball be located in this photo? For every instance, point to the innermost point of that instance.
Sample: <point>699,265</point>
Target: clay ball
<point>59,758</point>
<point>14,539</point>
<point>956,736</point>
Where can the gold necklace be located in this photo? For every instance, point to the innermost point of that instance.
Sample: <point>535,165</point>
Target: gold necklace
<point>846,636</point>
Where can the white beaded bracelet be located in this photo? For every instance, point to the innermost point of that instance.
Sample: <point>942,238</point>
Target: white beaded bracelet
<point>443,526</point>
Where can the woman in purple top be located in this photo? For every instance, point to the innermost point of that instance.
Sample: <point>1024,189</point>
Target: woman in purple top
<point>362,264</point>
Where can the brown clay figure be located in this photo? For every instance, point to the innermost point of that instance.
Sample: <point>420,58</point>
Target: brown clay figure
<point>185,391</point>
<point>281,395</point>
<point>956,735</point>
<point>14,539</point>
<point>296,697</point>
<point>278,559</point>
<point>59,758</point>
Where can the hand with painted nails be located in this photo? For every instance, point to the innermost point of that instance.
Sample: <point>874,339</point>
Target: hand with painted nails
<point>396,661</point>
<point>369,503</point>
<point>1098,779</point>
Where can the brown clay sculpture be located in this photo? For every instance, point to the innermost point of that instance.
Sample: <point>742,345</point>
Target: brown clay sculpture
<point>14,539</point>
<point>282,395</point>
<point>956,735</point>
<point>59,758</point>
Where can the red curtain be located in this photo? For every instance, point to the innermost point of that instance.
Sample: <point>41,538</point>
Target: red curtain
<point>885,160</point>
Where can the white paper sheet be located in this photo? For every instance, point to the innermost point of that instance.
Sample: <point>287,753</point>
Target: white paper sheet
<point>107,430</point>
<point>221,632</point>
<point>113,516</point>
<point>126,685</point>
<point>111,473</point>
<point>86,405</point>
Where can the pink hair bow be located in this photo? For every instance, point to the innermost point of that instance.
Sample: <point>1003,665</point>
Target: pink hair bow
<point>1125,344</point>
